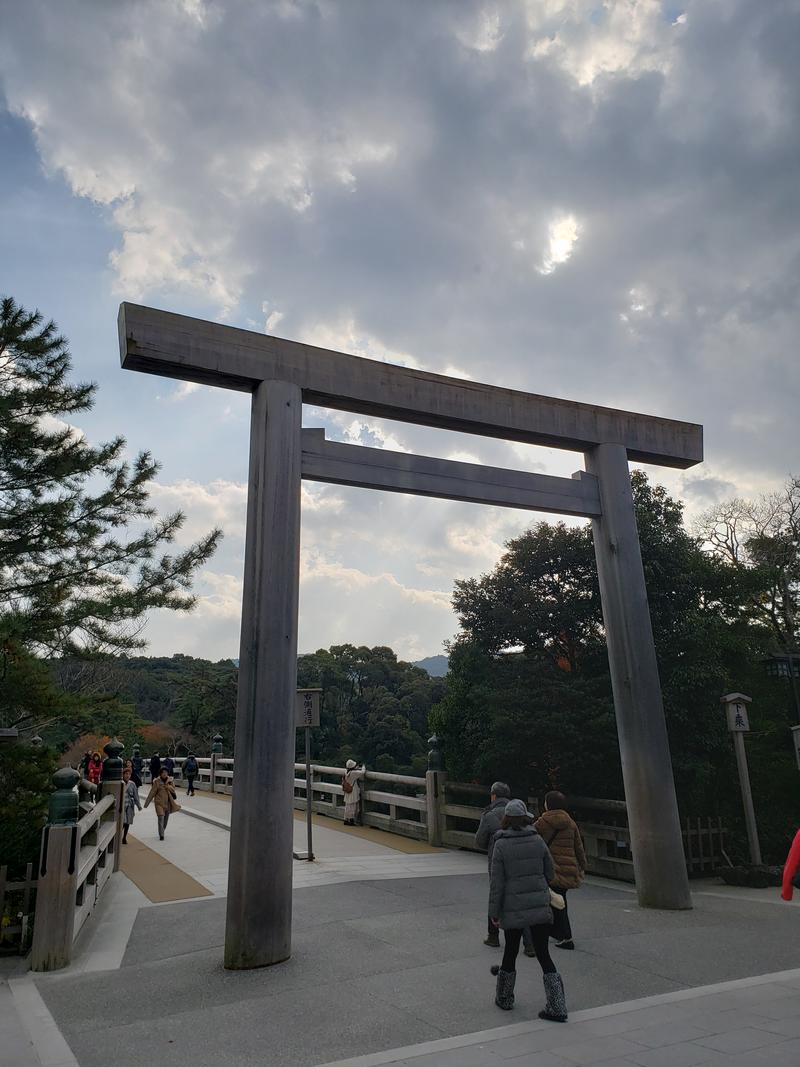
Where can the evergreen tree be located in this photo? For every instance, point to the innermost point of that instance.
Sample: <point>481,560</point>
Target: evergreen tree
<point>83,554</point>
<point>529,693</point>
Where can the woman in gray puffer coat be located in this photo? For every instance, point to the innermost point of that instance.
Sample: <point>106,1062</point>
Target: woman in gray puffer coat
<point>519,897</point>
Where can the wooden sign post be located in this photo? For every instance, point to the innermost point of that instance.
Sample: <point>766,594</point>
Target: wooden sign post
<point>738,725</point>
<point>306,716</point>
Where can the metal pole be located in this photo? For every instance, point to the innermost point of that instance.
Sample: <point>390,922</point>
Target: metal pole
<point>747,799</point>
<point>309,795</point>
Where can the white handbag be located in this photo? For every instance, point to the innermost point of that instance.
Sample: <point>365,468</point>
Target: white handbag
<point>557,901</point>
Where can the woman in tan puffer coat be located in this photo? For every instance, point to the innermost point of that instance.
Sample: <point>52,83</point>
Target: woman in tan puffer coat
<point>165,800</point>
<point>563,838</point>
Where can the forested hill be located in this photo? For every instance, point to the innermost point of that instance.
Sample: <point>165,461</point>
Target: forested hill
<point>375,707</point>
<point>436,666</point>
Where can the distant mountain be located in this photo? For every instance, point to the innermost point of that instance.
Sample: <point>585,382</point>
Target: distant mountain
<point>436,666</point>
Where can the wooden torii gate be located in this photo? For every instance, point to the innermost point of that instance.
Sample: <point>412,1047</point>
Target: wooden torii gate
<point>281,375</point>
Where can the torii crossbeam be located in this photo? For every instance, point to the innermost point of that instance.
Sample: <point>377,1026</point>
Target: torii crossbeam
<point>281,375</point>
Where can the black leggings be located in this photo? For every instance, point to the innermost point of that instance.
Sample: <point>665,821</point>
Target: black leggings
<point>541,941</point>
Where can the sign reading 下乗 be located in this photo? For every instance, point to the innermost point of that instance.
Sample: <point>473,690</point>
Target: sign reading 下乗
<point>737,717</point>
<point>307,707</point>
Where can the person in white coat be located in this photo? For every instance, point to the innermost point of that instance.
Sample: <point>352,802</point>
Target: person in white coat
<point>351,787</point>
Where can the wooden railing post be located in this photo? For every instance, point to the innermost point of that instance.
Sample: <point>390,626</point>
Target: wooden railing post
<point>216,750</point>
<point>58,872</point>
<point>435,781</point>
<point>111,782</point>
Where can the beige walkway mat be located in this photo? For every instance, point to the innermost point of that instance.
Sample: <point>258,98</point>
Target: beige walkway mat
<point>379,837</point>
<point>158,879</point>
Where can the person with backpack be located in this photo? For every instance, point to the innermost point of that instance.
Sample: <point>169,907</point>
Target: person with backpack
<point>352,791</point>
<point>562,836</point>
<point>189,770</point>
<point>137,765</point>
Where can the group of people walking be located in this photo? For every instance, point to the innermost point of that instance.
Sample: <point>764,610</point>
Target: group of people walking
<point>533,864</point>
<point>163,795</point>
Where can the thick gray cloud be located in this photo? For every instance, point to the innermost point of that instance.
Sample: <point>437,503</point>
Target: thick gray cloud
<point>584,199</point>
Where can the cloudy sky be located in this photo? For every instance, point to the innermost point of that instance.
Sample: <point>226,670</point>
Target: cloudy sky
<point>596,200</point>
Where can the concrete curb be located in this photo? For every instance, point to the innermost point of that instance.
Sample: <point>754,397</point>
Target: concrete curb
<point>205,817</point>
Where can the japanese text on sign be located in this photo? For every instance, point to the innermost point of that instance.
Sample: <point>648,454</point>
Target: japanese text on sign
<point>307,707</point>
<point>738,721</point>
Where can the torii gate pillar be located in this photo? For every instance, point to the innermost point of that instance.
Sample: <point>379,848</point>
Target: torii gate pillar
<point>258,928</point>
<point>658,861</point>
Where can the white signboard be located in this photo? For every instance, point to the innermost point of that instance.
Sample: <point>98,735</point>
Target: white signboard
<point>307,707</point>
<point>738,722</point>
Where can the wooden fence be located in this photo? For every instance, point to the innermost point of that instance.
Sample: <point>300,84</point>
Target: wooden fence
<point>17,901</point>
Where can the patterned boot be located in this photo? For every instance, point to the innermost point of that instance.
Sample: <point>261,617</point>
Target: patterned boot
<point>555,1008</point>
<point>504,993</point>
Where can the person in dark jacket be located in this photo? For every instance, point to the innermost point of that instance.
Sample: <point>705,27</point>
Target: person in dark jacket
<point>155,767</point>
<point>168,763</point>
<point>488,828</point>
<point>189,771</point>
<point>519,896</point>
<point>137,763</point>
<point>491,818</point>
<point>563,838</point>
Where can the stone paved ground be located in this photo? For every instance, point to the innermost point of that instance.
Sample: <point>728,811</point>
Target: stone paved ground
<point>382,965</point>
<point>749,1024</point>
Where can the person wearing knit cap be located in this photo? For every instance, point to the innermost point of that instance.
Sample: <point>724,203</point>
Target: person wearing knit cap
<point>519,896</point>
<point>351,788</point>
<point>489,826</point>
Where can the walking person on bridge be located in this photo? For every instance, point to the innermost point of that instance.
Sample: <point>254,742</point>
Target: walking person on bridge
<point>155,767</point>
<point>563,838</point>
<point>94,768</point>
<point>130,802</point>
<point>519,896</point>
<point>189,770</point>
<point>165,800</point>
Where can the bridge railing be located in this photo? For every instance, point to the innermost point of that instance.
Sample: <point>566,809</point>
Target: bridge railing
<point>78,857</point>
<point>397,803</point>
<point>445,812</point>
